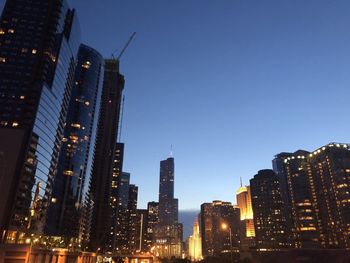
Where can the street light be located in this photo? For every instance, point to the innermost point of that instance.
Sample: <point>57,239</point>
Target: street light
<point>224,226</point>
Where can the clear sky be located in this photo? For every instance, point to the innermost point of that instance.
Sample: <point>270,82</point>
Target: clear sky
<point>228,83</point>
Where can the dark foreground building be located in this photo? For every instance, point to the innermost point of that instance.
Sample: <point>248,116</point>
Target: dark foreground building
<point>219,220</point>
<point>69,202</point>
<point>39,42</point>
<point>102,172</point>
<point>269,219</point>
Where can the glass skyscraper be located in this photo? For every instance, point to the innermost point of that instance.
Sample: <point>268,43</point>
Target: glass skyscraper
<point>66,214</point>
<point>39,44</point>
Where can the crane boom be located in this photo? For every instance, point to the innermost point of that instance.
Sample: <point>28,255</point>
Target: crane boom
<point>125,46</point>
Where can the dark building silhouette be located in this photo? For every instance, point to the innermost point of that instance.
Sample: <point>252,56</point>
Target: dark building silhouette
<point>102,172</point>
<point>132,214</point>
<point>329,175</point>
<point>216,220</point>
<point>114,198</point>
<point>70,200</point>
<point>39,42</point>
<point>168,205</point>
<point>167,233</point>
<point>292,167</point>
<point>269,219</point>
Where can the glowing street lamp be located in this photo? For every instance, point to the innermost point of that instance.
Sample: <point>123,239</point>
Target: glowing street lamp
<point>225,226</point>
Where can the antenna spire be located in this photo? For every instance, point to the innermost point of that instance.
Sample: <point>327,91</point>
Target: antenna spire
<point>171,151</point>
<point>241,180</point>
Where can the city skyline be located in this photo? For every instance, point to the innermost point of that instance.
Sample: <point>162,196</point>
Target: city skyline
<point>240,80</point>
<point>76,161</point>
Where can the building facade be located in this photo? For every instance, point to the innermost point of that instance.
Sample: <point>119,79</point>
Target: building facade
<point>102,172</point>
<point>293,167</point>
<point>216,238</point>
<point>195,244</point>
<point>167,233</point>
<point>67,214</point>
<point>328,170</point>
<point>269,219</point>
<point>39,45</point>
<point>244,202</point>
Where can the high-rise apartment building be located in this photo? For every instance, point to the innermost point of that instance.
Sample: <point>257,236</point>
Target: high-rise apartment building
<point>66,216</point>
<point>218,220</point>
<point>39,42</point>
<point>292,167</point>
<point>102,172</point>
<point>267,203</point>
<point>328,170</point>
<point>167,233</point>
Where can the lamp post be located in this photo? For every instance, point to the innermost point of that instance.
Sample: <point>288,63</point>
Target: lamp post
<point>225,227</point>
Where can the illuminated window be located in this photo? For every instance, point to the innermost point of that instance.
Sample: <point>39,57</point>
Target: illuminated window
<point>68,172</point>
<point>2,32</point>
<point>12,31</point>
<point>24,50</point>
<point>86,64</point>
<point>34,51</point>
<point>2,59</point>
<point>75,125</point>
<point>53,200</point>
<point>87,103</point>
<point>15,124</point>
<point>22,97</point>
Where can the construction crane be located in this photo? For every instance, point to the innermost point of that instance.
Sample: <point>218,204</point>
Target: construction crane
<point>124,48</point>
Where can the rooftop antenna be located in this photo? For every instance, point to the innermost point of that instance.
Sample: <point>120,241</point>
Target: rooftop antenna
<point>124,48</point>
<point>241,180</point>
<point>171,151</point>
<point>121,119</point>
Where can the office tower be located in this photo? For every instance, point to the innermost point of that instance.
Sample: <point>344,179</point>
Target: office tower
<point>122,230</point>
<point>141,237</point>
<point>39,42</point>
<point>153,220</point>
<point>168,232</point>
<point>113,85</point>
<point>114,196</point>
<point>218,220</point>
<point>269,220</point>
<point>244,202</point>
<point>168,205</point>
<point>132,214</point>
<point>195,244</point>
<point>71,184</point>
<point>293,167</point>
<point>329,175</point>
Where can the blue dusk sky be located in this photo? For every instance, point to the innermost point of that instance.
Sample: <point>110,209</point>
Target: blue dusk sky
<point>228,83</point>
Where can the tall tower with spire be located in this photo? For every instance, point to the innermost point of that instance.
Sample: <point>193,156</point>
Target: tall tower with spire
<point>168,232</point>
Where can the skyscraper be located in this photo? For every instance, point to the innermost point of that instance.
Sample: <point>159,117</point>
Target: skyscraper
<point>244,202</point>
<point>71,184</point>
<point>216,239</point>
<point>328,171</point>
<point>102,172</point>
<point>293,167</point>
<point>195,244</point>
<point>267,203</point>
<point>168,232</point>
<point>39,44</point>
<point>168,205</point>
